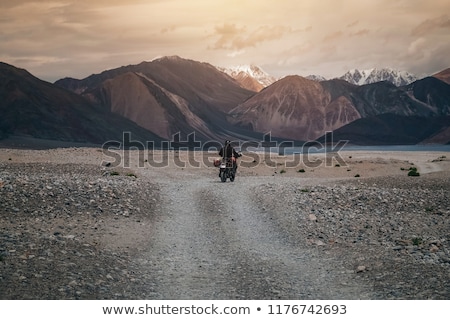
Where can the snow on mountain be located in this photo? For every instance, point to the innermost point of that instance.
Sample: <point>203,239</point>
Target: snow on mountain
<point>361,77</point>
<point>252,71</point>
<point>315,78</point>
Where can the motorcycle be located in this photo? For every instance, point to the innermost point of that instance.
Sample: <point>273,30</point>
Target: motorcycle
<point>227,169</point>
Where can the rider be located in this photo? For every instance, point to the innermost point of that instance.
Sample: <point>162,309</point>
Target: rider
<point>227,151</point>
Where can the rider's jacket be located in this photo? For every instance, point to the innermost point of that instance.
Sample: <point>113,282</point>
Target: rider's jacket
<point>228,152</point>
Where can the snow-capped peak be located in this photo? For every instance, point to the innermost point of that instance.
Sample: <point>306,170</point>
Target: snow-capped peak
<point>253,71</point>
<point>315,77</point>
<point>361,77</point>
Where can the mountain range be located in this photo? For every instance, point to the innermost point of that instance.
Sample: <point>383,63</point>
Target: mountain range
<point>302,109</point>
<point>398,78</point>
<point>254,78</point>
<point>159,99</point>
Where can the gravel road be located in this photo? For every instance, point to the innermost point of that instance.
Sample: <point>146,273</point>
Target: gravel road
<point>216,244</point>
<point>87,231</point>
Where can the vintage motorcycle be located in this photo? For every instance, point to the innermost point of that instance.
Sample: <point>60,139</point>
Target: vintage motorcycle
<point>227,168</point>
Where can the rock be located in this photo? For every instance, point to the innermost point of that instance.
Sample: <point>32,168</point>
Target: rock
<point>434,248</point>
<point>360,269</point>
<point>319,242</point>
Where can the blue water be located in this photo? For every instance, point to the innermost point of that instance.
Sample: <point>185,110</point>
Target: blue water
<point>435,148</point>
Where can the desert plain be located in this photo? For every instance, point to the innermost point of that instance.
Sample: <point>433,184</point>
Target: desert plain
<point>81,223</point>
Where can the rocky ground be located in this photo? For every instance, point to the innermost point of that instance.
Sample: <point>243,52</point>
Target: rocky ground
<point>73,226</point>
<point>393,232</point>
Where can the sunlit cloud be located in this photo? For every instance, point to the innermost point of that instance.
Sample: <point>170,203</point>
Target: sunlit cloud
<point>58,38</point>
<point>236,53</point>
<point>230,36</point>
<point>333,36</point>
<point>361,32</point>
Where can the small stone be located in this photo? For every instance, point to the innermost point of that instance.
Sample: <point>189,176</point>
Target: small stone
<point>361,269</point>
<point>434,248</point>
<point>319,242</point>
<point>312,217</point>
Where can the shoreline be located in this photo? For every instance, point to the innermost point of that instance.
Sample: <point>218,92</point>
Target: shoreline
<point>343,164</point>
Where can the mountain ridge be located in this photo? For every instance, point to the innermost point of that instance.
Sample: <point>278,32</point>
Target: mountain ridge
<point>302,109</point>
<point>369,76</point>
<point>32,107</point>
<point>171,95</point>
<point>185,96</point>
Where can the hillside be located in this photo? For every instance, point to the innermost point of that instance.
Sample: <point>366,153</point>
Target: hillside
<point>444,75</point>
<point>301,109</point>
<point>296,108</point>
<point>166,96</point>
<point>35,108</point>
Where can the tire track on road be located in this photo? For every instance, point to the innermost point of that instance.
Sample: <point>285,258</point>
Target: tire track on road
<point>211,242</point>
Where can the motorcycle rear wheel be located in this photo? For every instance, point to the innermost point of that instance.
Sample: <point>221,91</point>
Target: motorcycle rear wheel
<point>223,176</point>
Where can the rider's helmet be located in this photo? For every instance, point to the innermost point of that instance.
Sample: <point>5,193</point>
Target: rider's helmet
<point>227,142</point>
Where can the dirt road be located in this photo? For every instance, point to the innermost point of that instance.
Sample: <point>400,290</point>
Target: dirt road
<point>212,242</point>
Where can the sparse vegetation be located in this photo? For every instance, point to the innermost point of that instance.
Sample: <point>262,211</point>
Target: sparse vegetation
<point>413,172</point>
<point>337,165</point>
<point>301,170</point>
<point>114,173</point>
<point>441,158</point>
<point>304,190</point>
<point>132,175</point>
<point>282,171</point>
<point>417,241</point>
<point>357,175</point>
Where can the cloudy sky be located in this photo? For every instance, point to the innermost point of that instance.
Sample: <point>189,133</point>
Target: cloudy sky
<point>59,38</point>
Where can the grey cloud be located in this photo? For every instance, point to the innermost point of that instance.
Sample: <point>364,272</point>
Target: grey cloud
<point>430,25</point>
<point>436,60</point>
